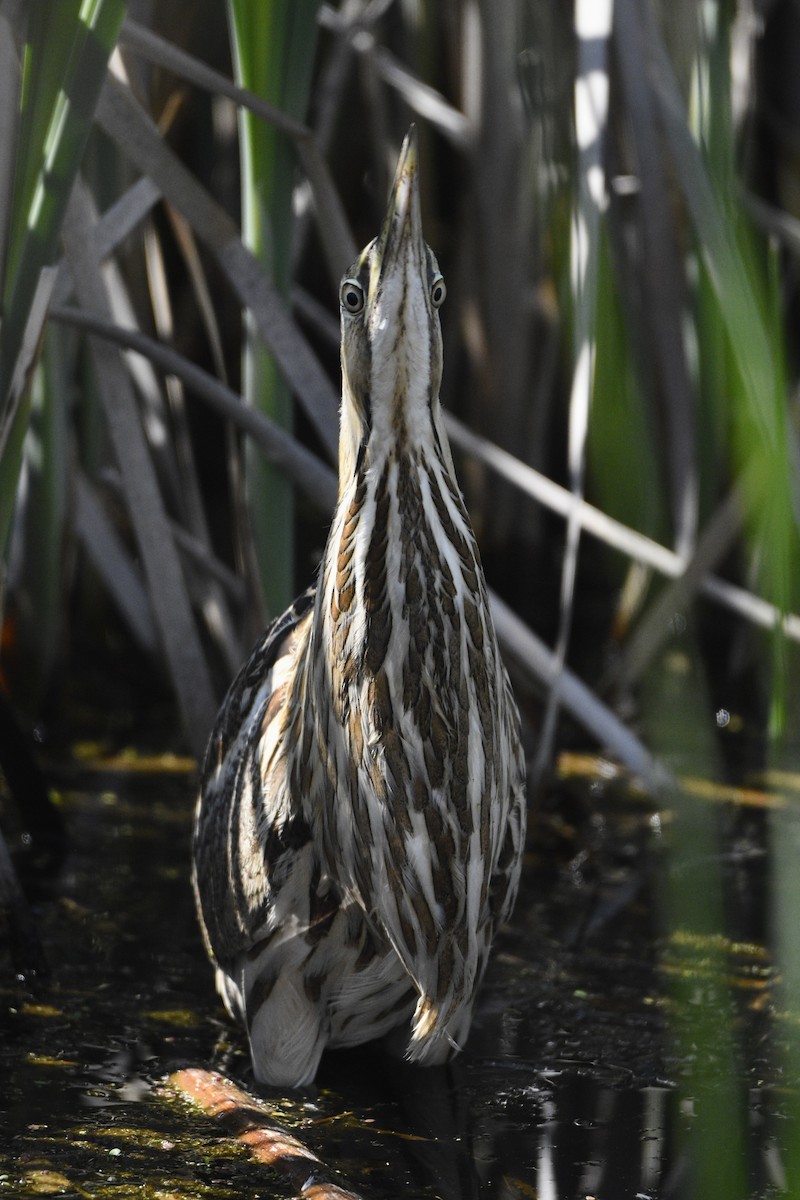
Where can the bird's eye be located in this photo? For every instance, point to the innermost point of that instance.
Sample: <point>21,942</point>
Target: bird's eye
<point>351,295</point>
<point>438,292</point>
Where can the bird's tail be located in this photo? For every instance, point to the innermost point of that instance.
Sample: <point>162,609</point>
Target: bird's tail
<point>438,1030</point>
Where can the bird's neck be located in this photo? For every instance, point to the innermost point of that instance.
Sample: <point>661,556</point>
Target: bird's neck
<point>405,425</point>
<point>401,555</point>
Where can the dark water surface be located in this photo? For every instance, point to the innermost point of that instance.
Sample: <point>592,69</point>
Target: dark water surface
<point>573,1083</point>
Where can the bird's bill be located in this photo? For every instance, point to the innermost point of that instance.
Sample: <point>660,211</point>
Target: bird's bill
<point>402,227</point>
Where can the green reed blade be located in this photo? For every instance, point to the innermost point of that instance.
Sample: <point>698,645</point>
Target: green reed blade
<point>274,44</point>
<point>65,59</point>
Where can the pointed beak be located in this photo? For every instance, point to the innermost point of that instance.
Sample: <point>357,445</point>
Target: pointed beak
<point>402,227</point>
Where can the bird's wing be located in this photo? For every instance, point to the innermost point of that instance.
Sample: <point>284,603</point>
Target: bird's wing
<point>504,882</point>
<point>238,823</point>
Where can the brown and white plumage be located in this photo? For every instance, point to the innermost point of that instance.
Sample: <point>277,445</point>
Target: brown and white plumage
<point>359,832</point>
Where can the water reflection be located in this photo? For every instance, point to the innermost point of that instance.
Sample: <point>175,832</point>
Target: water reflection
<point>465,1133</point>
<point>573,1084</point>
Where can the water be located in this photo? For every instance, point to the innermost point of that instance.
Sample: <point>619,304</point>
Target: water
<point>574,1083</point>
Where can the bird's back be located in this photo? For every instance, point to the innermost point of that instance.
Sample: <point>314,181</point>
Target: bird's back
<point>232,860</point>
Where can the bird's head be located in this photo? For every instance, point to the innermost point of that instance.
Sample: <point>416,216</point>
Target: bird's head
<point>391,335</point>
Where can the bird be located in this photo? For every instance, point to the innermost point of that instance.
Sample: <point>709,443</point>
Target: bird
<point>360,826</point>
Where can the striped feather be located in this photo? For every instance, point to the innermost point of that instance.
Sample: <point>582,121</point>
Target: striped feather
<point>359,833</point>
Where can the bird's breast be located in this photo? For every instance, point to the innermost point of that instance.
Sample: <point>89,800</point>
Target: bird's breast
<point>406,671</point>
<point>407,699</point>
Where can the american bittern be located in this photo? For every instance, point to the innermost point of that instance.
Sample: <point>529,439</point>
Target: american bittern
<point>359,832</point>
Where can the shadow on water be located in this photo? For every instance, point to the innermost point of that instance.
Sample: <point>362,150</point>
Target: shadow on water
<point>567,1088</point>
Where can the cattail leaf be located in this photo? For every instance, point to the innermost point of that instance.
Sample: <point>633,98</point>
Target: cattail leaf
<point>739,307</point>
<point>113,563</point>
<point>635,545</point>
<point>137,136</point>
<point>56,123</point>
<point>166,586</point>
<point>335,233</point>
<point>273,52</point>
<point>541,667</point>
<point>67,50</point>
<point>662,302</point>
<point>311,475</point>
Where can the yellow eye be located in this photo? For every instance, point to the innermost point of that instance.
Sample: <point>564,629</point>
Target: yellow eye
<point>438,292</point>
<point>351,296</point>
